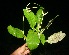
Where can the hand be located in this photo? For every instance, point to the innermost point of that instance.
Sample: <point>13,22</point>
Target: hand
<point>23,50</point>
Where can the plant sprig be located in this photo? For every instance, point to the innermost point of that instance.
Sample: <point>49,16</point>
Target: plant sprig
<point>35,34</point>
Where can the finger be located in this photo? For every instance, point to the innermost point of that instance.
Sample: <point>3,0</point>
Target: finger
<point>26,52</point>
<point>26,48</point>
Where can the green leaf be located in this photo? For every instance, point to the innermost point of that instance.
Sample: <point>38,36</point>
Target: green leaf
<point>11,30</point>
<point>30,17</point>
<point>19,33</point>
<point>15,31</point>
<point>32,40</point>
<point>39,14</point>
<point>42,38</point>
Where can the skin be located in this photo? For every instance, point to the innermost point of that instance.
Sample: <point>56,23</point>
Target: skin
<point>23,50</point>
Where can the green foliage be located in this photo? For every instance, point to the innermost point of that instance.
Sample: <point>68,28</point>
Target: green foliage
<point>35,35</point>
<point>42,38</point>
<point>15,32</point>
<point>32,39</point>
<point>39,15</point>
<point>30,17</point>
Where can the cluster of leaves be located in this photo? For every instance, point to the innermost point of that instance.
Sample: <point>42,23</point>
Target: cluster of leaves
<point>32,18</point>
<point>33,37</point>
<point>35,34</point>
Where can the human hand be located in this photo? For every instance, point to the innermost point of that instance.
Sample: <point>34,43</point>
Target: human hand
<point>23,50</point>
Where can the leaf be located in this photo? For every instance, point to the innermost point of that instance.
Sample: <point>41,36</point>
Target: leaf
<point>11,30</point>
<point>30,17</point>
<point>42,38</point>
<point>32,40</point>
<point>15,31</point>
<point>39,14</point>
<point>19,33</point>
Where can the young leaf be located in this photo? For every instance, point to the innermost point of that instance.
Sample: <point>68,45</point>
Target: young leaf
<point>15,32</point>
<point>39,14</point>
<point>32,40</point>
<point>42,38</point>
<point>30,17</point>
